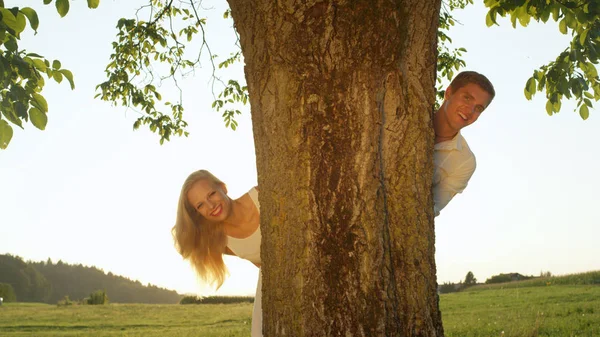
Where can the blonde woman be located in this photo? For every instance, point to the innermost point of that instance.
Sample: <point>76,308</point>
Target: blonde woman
<point>210,224</point>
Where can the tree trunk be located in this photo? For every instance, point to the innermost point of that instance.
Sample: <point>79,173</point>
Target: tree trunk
<point>342,96</point>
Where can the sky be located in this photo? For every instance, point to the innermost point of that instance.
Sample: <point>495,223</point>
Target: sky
<point>90,190</point>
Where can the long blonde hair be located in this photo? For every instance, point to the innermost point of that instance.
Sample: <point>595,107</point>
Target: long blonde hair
<point>203,244</point>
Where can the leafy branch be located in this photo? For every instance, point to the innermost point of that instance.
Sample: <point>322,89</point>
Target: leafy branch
<point>22,73</point>
<point>141,45</point>
<point>573,74</point>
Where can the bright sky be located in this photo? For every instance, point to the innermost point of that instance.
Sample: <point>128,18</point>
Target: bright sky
<point>90,190</point>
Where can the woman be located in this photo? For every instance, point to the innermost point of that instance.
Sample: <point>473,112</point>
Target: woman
<point>210,224</point>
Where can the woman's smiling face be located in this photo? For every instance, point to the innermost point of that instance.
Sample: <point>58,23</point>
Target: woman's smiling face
<point>210,200</point>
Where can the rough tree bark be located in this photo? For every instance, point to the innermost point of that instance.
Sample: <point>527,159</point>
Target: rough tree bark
<point>342,96</point>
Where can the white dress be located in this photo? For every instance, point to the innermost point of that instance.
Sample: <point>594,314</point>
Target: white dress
<point>249,249</point>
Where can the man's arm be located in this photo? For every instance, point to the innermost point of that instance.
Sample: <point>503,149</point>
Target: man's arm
<point>451,184</point>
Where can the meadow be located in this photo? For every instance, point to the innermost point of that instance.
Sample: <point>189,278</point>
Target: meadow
<point>153,320</point>
<point>530,308</point>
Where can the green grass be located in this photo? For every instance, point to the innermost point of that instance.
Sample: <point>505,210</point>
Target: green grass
<point>20,319</point>
<point>553,311</point>
<point>499,311</point>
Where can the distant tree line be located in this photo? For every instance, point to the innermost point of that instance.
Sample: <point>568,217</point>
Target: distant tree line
<point>449,287</point>
<point>470,280</point>
<point>50,282</point>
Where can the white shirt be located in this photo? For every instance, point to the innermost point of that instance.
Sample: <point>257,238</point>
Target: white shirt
<point>248,248</point>
<point>454,165</point>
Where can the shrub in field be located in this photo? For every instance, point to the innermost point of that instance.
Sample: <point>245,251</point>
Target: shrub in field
<point>98,297</point>
<point>449,288</point>
<point>65,302</point>
<point>7,292</point>
<point>503,278</point>
<point>190,300</point>
<point>216,300</point>
<point>227,299</point>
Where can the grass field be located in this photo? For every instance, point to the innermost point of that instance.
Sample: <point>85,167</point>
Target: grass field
<point>153,320</point>
<point>530,311</point>
<point>556,311</point>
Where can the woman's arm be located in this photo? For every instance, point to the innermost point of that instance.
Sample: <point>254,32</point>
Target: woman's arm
<point>256,264</point>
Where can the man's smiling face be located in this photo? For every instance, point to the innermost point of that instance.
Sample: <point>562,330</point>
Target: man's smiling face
<point>463,106</point>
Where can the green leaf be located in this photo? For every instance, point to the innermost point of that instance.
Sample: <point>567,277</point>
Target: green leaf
<point>56,64</point>
<point>527,93</point>
<point>488,20</point>
<point>93,3</point>
<point>21,110</point>
<point>576,88</point>
<point>32,16</point>
<point>39,102</point>
<point>39,64</point>
<point>583,36</point>
<point>545,15</point>
<point>556,106</point>
<point>541,83</point>
<point>593,53</point>
<point>21,23</point>
<point>571,20</point>
<point>9,19</point>
<point>69,77</point>
<point>591,70</point>
<point>11,116</point>
<point>584,112</point>
<point>6,133</point>
<point>11,44</point>
<point>549,107</point>
<point>62,6</point>
<point>562,26</point>
<point>530,88</point>
<point>38,119</point>
<point>555,12</point>
<point>58,77</point>
<point>523,16</point>
<point>47,2</point>
<point>513,19</point>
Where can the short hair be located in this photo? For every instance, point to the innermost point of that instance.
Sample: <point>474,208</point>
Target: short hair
<point>467,77</point>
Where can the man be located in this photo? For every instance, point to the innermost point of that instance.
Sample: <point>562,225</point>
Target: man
<point>465,99</point>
